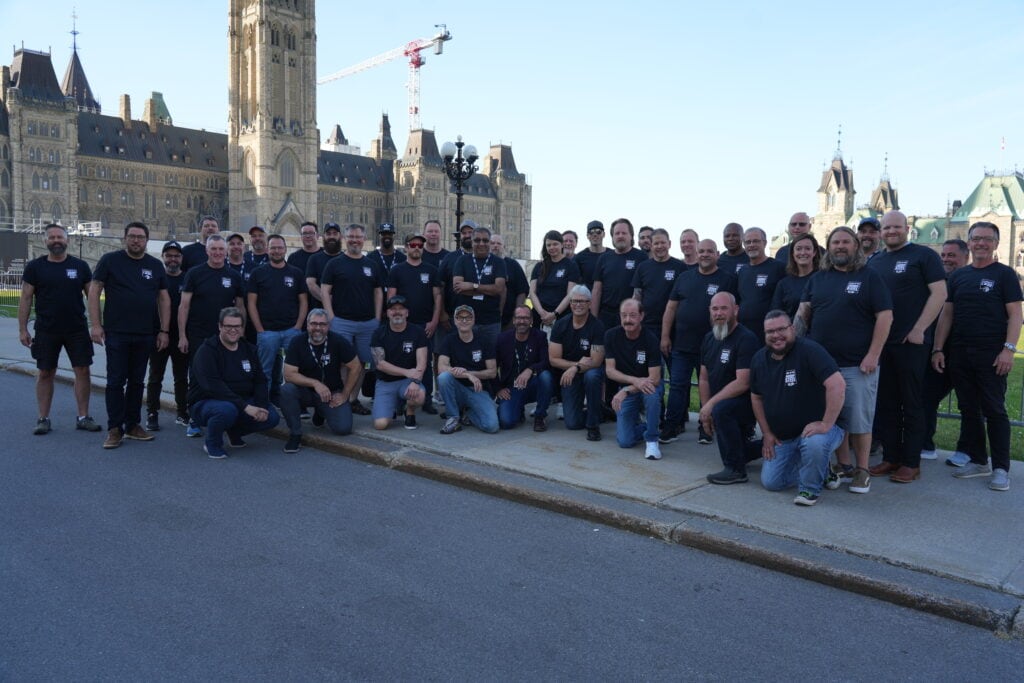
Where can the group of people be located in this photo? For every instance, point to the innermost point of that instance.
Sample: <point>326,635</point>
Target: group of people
<point>821,349</point>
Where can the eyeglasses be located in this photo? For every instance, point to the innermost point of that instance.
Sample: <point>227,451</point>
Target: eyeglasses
<point>982,238</point>
<point>231,327</point>
<point>317,324</point>
<point>480,240</point>
<point>799,224</point>
<point>463,318</point>
<point>579,302</point>
<point>777,330</point>
<point>135,236</point>
<point>414,245</point>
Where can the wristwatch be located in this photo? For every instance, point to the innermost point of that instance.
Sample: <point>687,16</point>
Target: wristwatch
<point>1011,347</point>
<point>476,285</point>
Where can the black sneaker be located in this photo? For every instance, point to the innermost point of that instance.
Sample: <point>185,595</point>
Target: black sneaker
<point>703,438</point>
<point>293,444</point>
<point>317,419</point>
<point>410,421</point>
<point>87,424</point>
<point>181,420</point>
<point>304,415</point>
<point>359,409</point>
<point>669,434</point>
<point>429,408</point>
<point>805,498</point>
<point>593,433</point>
<point>728,476</point>
<point>234,440</point>
<point>152,422</point>
<point>42,426</point>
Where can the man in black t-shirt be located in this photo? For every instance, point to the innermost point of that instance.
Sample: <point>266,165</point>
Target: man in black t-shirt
<point>982,321</point>
<point>321,371</point>
<point>724,385</point>
<point>465,366</point>
<point>516,285</point>
<point>756,282</point>
<point>576,354</point>
<point>318,261</point>
<point>208,288</point>
<point>734,258</point>
<point>57,282</point>
<point>400,355</point>
<point>171,254</point>
<point>299,258</point>
<point>586,259</point>
<point>797,393</point>
<point>613,276</point>
<point>633,364</point>
<point>195,253</point>
<point>478,280</point>
<point>654,280</point>
<point>136,295</point>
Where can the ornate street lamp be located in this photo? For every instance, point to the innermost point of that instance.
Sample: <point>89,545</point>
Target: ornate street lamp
<point>459,169</point>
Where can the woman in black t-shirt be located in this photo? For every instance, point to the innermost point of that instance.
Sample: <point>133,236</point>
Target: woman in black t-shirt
<point>551,281</point>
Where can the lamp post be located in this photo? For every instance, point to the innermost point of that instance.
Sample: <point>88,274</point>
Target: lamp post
<point>459,169</point>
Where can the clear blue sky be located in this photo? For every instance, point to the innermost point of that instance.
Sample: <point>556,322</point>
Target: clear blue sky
<point>673,114</point>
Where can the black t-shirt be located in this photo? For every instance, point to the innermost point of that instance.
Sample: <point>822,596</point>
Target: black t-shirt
<point>472,355</point>
<point>132,287</point>
<point>416,284</point>
<point>693,291</point>
<point>353,281</point>
<point>435,259</point>
<point>515,284</point>
<point>322,363</point>
<point>399,347</point>
<point>979,297</point>
<point>788,294</point>
<point>193,255</point>
<point>615,273</point>
<point>174,285</point>
<point>277,293</point>
<point>577,343</point>
<point>843,310</point>
<point>907,272</point>
<point>386,263</point>
<point>227,375</point>
<point>445,273</point>
<point>755,286</point>
<point>486,271</point>
<point>554,286</point>
<point>733,264</point>
<point>252,261</point>
<point>586,261</point>
<point>300,259</point>
<point>315,269</point>
<point>212,289</point>
<point>656,279</point>
<point>723,358</point>
<point>792,389</point>
<point>59,293</point>
<point>633,357</point>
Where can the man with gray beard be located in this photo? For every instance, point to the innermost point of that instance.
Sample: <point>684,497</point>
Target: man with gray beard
<point>724,388</point>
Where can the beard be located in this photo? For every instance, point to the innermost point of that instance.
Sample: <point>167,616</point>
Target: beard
<point>332,246</point>
<point>57,249</point>
<point>841,259</point>
<point>720,330</point>
<point>467,243</point>
<point>387,242</point>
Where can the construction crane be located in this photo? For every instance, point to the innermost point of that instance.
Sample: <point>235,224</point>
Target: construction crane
<point>414,51</point>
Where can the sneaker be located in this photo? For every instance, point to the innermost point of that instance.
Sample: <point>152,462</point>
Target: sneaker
<point>465,420</point>
<point>181,420</point>
<point>876,448</point>
<point>87,424</point>
<point>929,455</point>
<point>668,434</point>
<point>215,453</point>
<point>114,437</point>
<point>410,421</point>
<point>861,482</point>
<point>359,409</point>
<point>429,408</point>
<point>293,444</point>
<point>137,433</point>
<point>560,412</point>
<point>838,474</point>
<point>973,469</point>
<point>958,459</point>
<point>193,430</point>
<point>1000,480</point>
<point>42,426</point>
<point>653,452</point>
<point>805,498</point>
<point>540,424</point>
<point>703,438</point>
<point>153,422</point>
<point>451,425</point>
<point>593,433</point>
<point>317,419</point>
<point>728,476</point>
<point>304,415</point>
<point>235,441</point>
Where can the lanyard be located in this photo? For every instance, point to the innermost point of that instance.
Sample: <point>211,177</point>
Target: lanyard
<point>321,360</point>
<point>521,359</point>
<point>387,266</point>
<point>480,270</point>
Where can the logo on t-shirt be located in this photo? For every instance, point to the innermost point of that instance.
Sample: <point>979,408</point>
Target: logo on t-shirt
<point>487,270</point>
<point>712,289</point>
<point>478,355</point>
<point>852,287</point>
<point>740,266</point>
<point>585,344</point>
<point>289,281</point>
<point>72,273</point>
<point>630,264</point>
<point>225,282</point>
<point>641,357</point>
<point>246,366</point>
<point>724,357</point>
<point>987,285</point>
<point>425,278</point>
<point>790,378</point>
<point>762,280</point>
<point>670,275</point>
<point>900,267</point>
<point>407,347</point>
<point>560,273</point>
<point>367,271</point>
<point>147,274</point>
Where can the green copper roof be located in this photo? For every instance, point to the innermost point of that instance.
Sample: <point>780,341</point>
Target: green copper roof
<point>931,230</point>
<point>1002,195</point>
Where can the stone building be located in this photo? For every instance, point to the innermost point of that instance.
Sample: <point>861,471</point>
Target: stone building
<point>62,159</point>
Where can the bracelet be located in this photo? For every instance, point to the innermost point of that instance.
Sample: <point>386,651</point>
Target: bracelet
<point>935,351</point>
<point>164,332</point>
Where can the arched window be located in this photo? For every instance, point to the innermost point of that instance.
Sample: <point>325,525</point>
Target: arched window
<point>53,183</point>
<point>5,179</point>
<point>35,211</point>
<point>249,168</point>
<point>35,181</point>
<point>56,211</point>
<point>287,167</point>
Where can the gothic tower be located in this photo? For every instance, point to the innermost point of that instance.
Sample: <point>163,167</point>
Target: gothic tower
<point>835,197</point>
<point>272,133</point>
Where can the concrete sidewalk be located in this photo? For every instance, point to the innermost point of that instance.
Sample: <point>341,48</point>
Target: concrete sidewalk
<point>942,545</point>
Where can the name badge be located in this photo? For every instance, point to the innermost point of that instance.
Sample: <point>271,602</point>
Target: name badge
<point>246,366</point>
<point>147,274</point>
<point>225,282</point>
<point>72,273</point>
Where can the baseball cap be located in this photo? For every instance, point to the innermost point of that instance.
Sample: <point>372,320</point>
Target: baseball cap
<point>386,227</point>
<point>332,227</point>
<point>469,222</point>
<point>255,228</point>
<point>171,245</point>
<point>234,235</point>
<point>397,300</point>
<point>870,220</point>
<point>415,236</point>
<point>595,225</point>
<point>464,309</point>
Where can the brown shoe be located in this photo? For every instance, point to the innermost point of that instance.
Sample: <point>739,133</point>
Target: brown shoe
<point>114,437</point>
<point>883,468</point>
<point>905,475</point>
<point>137,433</point>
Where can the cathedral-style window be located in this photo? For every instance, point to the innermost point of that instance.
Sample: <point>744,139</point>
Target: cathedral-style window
<point>35,181</point>
<point>5,180</point>
<point>275,36</point>
<point>287,171</point>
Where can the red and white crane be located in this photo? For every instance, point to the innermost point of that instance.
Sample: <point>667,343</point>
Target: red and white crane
<point>413,50</point>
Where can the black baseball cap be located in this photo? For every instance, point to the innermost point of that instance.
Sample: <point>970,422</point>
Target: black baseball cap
<point>415,236</point>
<point>171,245</point>
<point>468,223</point>
<point>386,227</point>
<point>332,227</point>
<point>595,225</point>
<point>397,300</point>
<point>255,228</point>
<point>869,220</point>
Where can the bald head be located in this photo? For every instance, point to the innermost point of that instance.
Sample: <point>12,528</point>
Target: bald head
<point>799,224</point>
<point>895,232</point>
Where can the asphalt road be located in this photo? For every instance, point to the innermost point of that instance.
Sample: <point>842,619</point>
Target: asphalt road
<point>152,561</point>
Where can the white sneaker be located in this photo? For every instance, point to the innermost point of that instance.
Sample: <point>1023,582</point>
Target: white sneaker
<point>971,470</point>
<point>561,412</point>
<point>653,451</point>
<point>1000,480</point>
<point>929,455</point>
<point>958,459</point>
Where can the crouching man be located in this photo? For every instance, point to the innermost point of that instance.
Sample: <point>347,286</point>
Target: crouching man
<point>399,350</point>
<point>465,365</point>
<point>321,370</point>
<point>797,392</point>
<point>228,391</point>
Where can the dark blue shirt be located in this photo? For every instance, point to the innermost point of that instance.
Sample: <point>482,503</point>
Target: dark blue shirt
<point>723,358</point>
<point>615,273</point>
<point>907,273</point>
<point>755,287</point>
<point>979,297</point>
<point>657,280</point>
<point>353,281</point>
<point>693,291</point>
<point>132,288</point>
<point>843,311</point>
<point>792,389</point>
<point>416,284</point>
<point>59,293</point>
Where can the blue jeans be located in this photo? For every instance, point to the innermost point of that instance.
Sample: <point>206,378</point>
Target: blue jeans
<point>127,357</point>
<point>480,405</point>
<point>539,389</point>
<point>269,344</point>
<point>587,385</point>
<point>734,420</point>
<point>802,462</point>
<point>679,382</point>
<point>358,333</point>
<point>295,399</point>
<point>629,430</point>
<point>224,416</point>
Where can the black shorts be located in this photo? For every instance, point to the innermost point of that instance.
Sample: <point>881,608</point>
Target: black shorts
<point>46,348</point>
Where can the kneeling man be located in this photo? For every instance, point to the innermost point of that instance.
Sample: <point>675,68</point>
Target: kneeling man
<point>633,362</point>
<point>465,365</point>
<point>797,392</point>
<point>523,374</point>
<point>228,392</point>
<point>399,350</point>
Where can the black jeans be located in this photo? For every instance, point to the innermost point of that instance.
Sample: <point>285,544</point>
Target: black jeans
<point>937,386</point>
<point>179,370</point>
<point>734,420</point>
<point>899,415</point>
<point>982,397</point>
<point>127,356</point>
